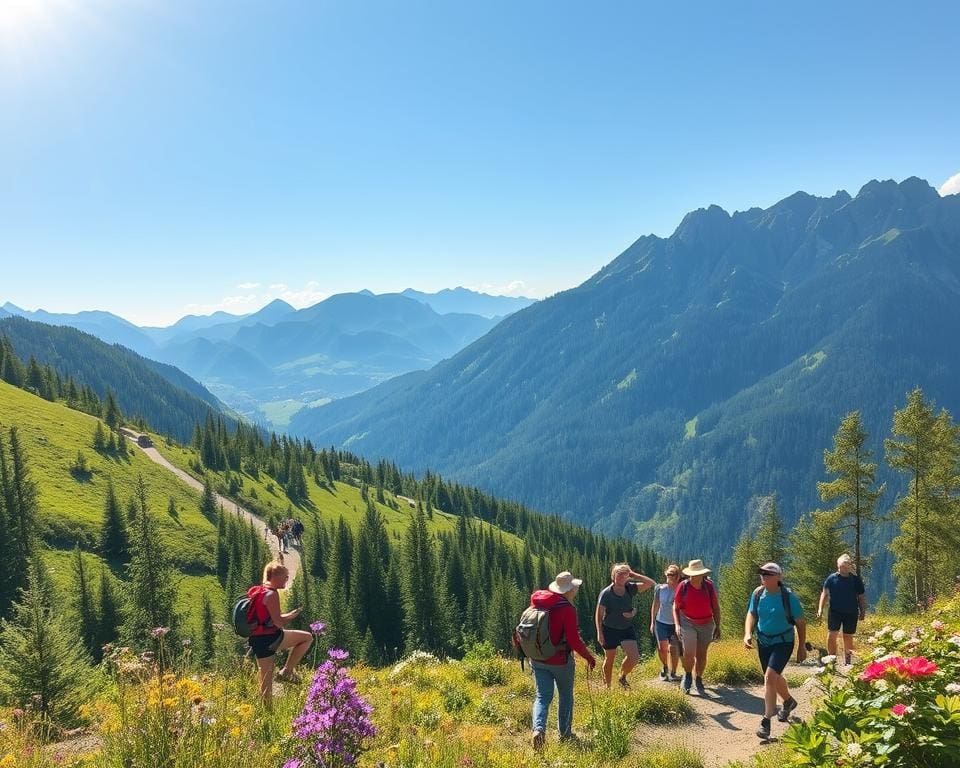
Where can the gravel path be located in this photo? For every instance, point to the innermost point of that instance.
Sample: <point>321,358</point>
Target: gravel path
<point>291,559</point>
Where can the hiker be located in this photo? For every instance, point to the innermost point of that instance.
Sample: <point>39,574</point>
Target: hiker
<point>662,626</point>
<point>269,636</point>
<point>768,613</point>
<point>848,604</point>
<point>614,618</point>
<point>696,614</point>
<point>558,669</point>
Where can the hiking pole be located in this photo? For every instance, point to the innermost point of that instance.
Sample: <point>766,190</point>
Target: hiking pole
<point>593,707</point>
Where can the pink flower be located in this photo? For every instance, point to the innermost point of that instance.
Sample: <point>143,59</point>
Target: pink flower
<point>898,709</point>
<point>920,667</point>
<point>938,626</point>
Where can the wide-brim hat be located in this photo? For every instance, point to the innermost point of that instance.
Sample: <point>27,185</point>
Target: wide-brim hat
<point>564,583</point>
<point>695,568</point>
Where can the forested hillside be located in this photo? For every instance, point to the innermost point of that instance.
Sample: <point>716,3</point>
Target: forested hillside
<point>695,374</point>
<point>169,400</point>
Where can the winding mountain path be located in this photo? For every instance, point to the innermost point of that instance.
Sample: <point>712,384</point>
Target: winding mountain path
<point>290,559</point>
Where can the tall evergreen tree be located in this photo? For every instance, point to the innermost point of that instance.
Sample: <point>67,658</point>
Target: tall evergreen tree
<point>208,500</point>
<point>852,489</point>
<point>20,503</point>
<point>111,412</point>
<point>42,662</point>
<point>768,538</point>
<point>108,629</point>
<point>422,610</point>
<point>152,588</point>
<point>114,542</point>
<point>207,643</point>
<point>737,580</point>
<point>371,554</point>
<point>814,544</point>
<point>84,606</point>
<point>506,603</point>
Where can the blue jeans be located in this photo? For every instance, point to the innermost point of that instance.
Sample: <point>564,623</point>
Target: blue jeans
<point>545,676</point>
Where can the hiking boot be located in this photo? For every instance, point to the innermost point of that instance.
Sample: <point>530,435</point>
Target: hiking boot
<point>700,688</point>
<point>289,677</point>
<point>848,659</point>
<point>623,683</point>
<point>674,677</point>
<point>764,730</point>
<point>687,682</point>
<point>538,737</point>
<point>663,674</point>
<point>788,706</point>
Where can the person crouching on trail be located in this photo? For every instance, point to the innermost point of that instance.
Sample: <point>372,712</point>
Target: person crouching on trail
<point>615,614</point>
<point>558,669</point>
<point>662,626</point>
<point>269,636</point>
<point>696,614</point>
<point>845,590</point>
<point>773,611</point>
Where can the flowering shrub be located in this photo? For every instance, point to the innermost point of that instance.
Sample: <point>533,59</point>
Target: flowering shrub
<point>902,710</point>
<point>335,720</point>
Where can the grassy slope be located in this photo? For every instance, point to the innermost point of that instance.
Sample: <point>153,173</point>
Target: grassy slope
<point>72,509</point>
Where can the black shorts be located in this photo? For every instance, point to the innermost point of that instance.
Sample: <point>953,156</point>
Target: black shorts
<point>775,656</point>
<point>612,637</point>
<point>264,646</point>
<point>836,620</point>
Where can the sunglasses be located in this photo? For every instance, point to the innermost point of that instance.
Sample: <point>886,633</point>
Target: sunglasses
<point>767,573</point>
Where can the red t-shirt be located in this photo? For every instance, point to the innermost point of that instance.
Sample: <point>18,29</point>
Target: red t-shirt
<point>697,605</point>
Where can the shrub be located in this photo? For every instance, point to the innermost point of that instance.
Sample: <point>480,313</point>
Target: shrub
<point>901,709</point>
<point>455,698</point>
<point>483,665</point>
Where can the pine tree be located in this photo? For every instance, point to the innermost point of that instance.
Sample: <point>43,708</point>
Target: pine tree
<point>208,501</point>
<point>506,603</point>
<point>422,612</point>
<point>152,588</point>
<point>814,544</point>
<point>341,630</point>
<point>769,536</point>
<point>852,489</point>
<point>42,662</point>
<point>20,503</point>
<point>737,580</point>
<point>99,437</point>
<point>114,543</point>
<point>207,632</point>
<point>84,608</point>
<point>108,629</point>
<point>371,554</point>
<point>111,413</point>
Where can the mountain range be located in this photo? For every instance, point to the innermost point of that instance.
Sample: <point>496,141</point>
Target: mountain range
<point>693,374</point>
<point>270,363</point>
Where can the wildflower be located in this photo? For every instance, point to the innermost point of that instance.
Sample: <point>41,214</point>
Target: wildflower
<point>338,654</point>
<point>236,732</point>
<point>17,713</point>
<point>157,632</point>
<point>898,635</point>
<point>292,763</point>
<point>186,642</point>
<point>318,628</point>
<point>8,761</point>
<point>853,749</point>
<point>938,626</point>
<point>898,709</point>
<point>954,640</point>
<point>885,630</point>
<point>903,689</point>
<point>920,667</point>
<point>244,711</point>
<point>829,659</point>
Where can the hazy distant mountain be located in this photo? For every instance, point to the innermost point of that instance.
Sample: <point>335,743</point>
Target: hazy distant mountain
<point>220,325</point>
<point>465,301</point>
<point>693,373</point>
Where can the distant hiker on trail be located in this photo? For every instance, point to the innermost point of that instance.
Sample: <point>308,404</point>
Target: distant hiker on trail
<point>773,611</point>
<point>557,601</point>
<point>662,626</point>
<point>268,636</point>
<point>696,614</point>
<point>848,604</point>
<point>297,529</point>
<point>614,617</point>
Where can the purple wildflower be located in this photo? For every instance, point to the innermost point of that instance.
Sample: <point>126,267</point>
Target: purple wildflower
<point>318,628</point>
<point>338,654</point>
<point>334,722</point>
<point>158,632</point>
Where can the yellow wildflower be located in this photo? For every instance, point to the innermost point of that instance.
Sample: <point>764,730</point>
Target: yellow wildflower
<point>235,732</point>
<point>8,761</point>
<point>244,711</point>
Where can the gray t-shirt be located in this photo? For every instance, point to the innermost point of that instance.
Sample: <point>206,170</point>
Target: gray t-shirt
<point>664,593</point>
<point>616,605</point>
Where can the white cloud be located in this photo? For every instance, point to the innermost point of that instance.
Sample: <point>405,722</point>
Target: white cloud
<point>307,296</point>
<point>951,186</point>
<point>513,288</point>
<point>247,286</point>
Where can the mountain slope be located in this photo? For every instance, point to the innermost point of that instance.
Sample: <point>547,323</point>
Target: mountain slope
<point>166,397</point>
<point>692,373</point>
<point>461,300</point>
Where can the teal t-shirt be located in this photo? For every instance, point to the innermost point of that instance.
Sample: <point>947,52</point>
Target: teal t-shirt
<point>772,624</point>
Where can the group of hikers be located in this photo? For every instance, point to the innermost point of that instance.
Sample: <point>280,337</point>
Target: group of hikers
<point>684,620</point>
<point>287,532</point>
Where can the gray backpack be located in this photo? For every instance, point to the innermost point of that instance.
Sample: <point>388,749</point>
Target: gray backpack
<point>532,635</point>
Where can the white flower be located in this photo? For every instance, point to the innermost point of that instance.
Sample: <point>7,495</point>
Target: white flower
<point>903,690</point>
<point>853,750</point>
<point>953,687</point>
<point>884,630</point>
<point>882,685</point>
<point>899,635</point>
<point>879,650</point>
<point>828,659</point>
<point>955,640</point>
<point>909,710</point>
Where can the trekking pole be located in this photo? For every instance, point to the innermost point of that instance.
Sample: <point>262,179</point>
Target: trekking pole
<point>593,707</point>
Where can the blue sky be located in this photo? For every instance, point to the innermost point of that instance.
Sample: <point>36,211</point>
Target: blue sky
<point>158,158</point>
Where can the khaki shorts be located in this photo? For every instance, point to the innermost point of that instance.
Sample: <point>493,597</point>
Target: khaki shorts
<point>696,635</point>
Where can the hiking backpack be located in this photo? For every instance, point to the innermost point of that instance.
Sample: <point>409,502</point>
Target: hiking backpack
<point>532,635</point>
<point>784,595</point>
<point>244,615</point>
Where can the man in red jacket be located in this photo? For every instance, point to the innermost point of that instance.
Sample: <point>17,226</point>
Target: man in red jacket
<point>558,669</point>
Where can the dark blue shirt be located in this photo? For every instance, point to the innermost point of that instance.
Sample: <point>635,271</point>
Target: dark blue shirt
<point>843,591</point>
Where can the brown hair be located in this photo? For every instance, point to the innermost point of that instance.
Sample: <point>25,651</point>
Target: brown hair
<point>272,568</point>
